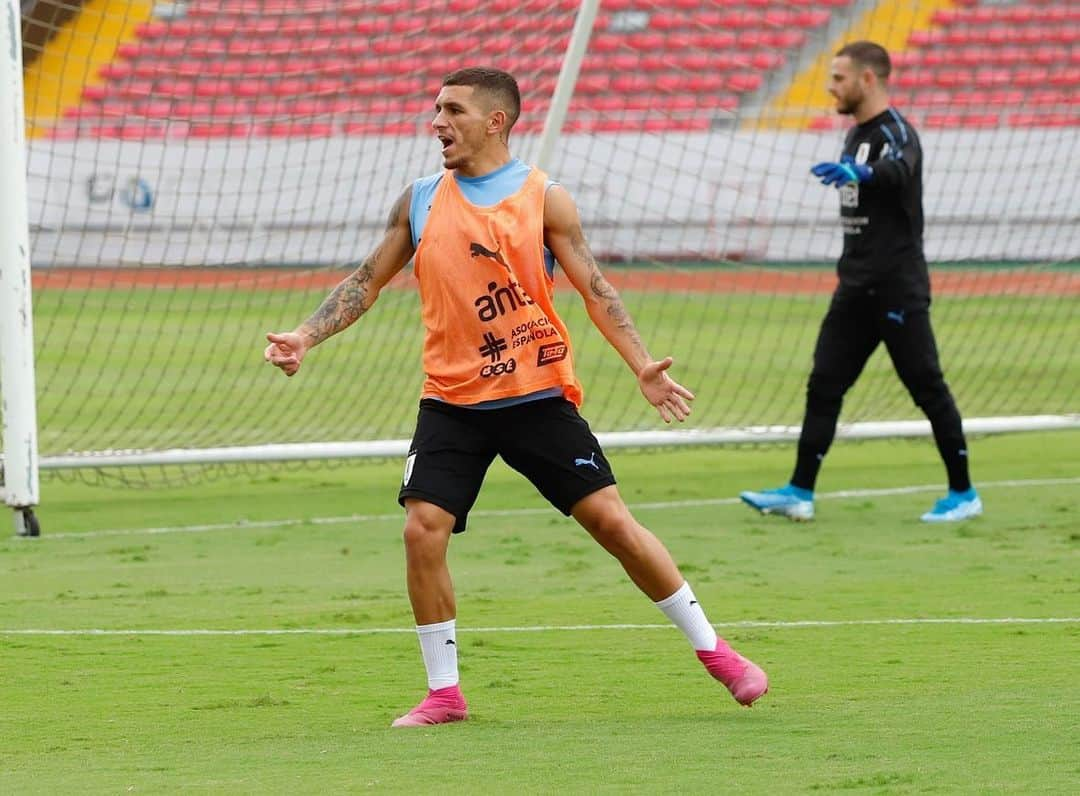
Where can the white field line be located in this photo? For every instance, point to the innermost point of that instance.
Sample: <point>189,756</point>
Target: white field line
<point>373,631</point>
<point>844,494</point>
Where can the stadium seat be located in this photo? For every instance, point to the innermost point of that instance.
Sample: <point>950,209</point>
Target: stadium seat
<point>193,109</point>
<point>1035,76</point>
<point>969,120</point>
<point>1068,77</point>
<point>744,83</point>
<point>379,128</point>
<point>210,130</point>
<point>230,63</point>
<point>932,98</point>
<point>825,123</point>
<point>1045,119</point>
<point>301,129</point>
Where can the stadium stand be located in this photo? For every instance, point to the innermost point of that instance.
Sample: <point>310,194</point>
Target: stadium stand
<point>315,68</point>
<point>312,67</point>
<point>984,66</point>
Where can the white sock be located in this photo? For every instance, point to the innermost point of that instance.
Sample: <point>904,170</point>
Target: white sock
<point>683,610</point>
<point>438,645</point>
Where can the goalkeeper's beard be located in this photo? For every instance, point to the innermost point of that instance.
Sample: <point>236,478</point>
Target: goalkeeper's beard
<point>849,105</point>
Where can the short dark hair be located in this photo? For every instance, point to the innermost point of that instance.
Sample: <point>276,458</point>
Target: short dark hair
<point>868,55</point>
<point>499,85</point>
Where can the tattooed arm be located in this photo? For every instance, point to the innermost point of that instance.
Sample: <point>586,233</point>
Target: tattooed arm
<point>353,296</point>
<point>564,237</point>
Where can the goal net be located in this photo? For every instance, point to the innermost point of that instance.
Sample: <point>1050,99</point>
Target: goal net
<point>203,172</point>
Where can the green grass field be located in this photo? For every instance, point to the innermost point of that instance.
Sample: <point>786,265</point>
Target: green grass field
<point>182,367</point>
<point>858,703</point>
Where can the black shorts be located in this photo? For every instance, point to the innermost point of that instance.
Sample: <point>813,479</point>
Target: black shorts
<point>547,441</point>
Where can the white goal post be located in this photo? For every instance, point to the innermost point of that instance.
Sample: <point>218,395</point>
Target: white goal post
<point>19,466</point>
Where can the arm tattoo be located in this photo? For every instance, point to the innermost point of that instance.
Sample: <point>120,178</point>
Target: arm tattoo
<point>346,303</point>
<point>603,290</point>
<point>349,300</point>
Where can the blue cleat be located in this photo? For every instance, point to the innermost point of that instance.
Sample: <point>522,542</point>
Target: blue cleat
<point>787,501</point>
<point>955,506</point>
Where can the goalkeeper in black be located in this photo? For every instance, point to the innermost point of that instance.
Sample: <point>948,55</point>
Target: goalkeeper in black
<point>883,295</point>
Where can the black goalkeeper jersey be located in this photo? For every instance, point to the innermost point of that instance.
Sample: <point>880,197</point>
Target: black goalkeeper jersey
<point>882,218</point>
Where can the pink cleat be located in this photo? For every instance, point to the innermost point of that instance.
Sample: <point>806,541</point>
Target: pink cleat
<point>441,706</point>
<point>744,679</point>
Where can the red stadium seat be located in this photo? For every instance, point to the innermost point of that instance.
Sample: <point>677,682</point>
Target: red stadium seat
<point>249,88</point>
<point>708,82</point>
<point>379,128</point>
<point>767,61</point>
<point>785,39</point>
<point>1045,119</point>
<point>744,82</point>
<point>661,124</point>
<point>193,109</point>
<point>944,16</point>
<point>62,132</point>
<point>300,129</point>
<point>926,38</point>
<point>1038,97</point>
<point>942,120</point>
<point>151,30</point>
<point>1068,77</point>
<point>987,78</point>
<point>1006,97</point>
<point>1035,76</point>
<point>117,70</point>
<point>932,98</point>
<point>607,103</point>
<point>981,121</point>
<point>288,87</point>
<point>154,108</point>
<point>213,88</point>
<point>825,123</point>
<point>972,120</point>
<point>593,83</point>
<point>950,78</point>
<point>210,130</point>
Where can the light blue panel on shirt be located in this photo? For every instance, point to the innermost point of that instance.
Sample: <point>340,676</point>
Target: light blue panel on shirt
<point>483,191</point>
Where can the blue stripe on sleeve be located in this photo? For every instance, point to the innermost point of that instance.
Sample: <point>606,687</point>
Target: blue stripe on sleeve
<point>901,125</point>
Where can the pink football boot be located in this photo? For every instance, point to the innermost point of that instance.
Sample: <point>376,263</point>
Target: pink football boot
<point>744,679</point>
<point>440,706</point>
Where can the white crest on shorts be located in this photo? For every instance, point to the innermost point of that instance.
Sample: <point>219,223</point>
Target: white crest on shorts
<point>862,154</point>
<point>849,195</point>
<point>410,460</point>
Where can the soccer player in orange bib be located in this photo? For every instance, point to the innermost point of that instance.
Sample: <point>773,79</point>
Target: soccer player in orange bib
<point>485,235</point>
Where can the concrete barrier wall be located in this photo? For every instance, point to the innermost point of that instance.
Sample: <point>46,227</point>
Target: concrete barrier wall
<point>989,195</point>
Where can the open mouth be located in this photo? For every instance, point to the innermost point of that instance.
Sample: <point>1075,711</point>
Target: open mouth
<point>446,142</point>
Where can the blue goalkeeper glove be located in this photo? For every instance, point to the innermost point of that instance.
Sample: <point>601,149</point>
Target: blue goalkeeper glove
<point>847,170</point>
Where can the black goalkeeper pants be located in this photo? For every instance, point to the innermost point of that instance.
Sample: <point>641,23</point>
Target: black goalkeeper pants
<point>852,329</point>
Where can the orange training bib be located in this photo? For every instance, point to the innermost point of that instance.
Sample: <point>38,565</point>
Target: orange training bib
<point>486,298</point>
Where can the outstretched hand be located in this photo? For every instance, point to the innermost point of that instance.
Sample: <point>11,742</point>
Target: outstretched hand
<point>286,351</point>
<point>667,395</point>
<point>842,173</point>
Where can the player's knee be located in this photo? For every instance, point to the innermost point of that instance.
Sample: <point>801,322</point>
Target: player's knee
<point>823,399</point>
<point>931,395</point>
<point>617,532</point>
<point>425,528</point>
